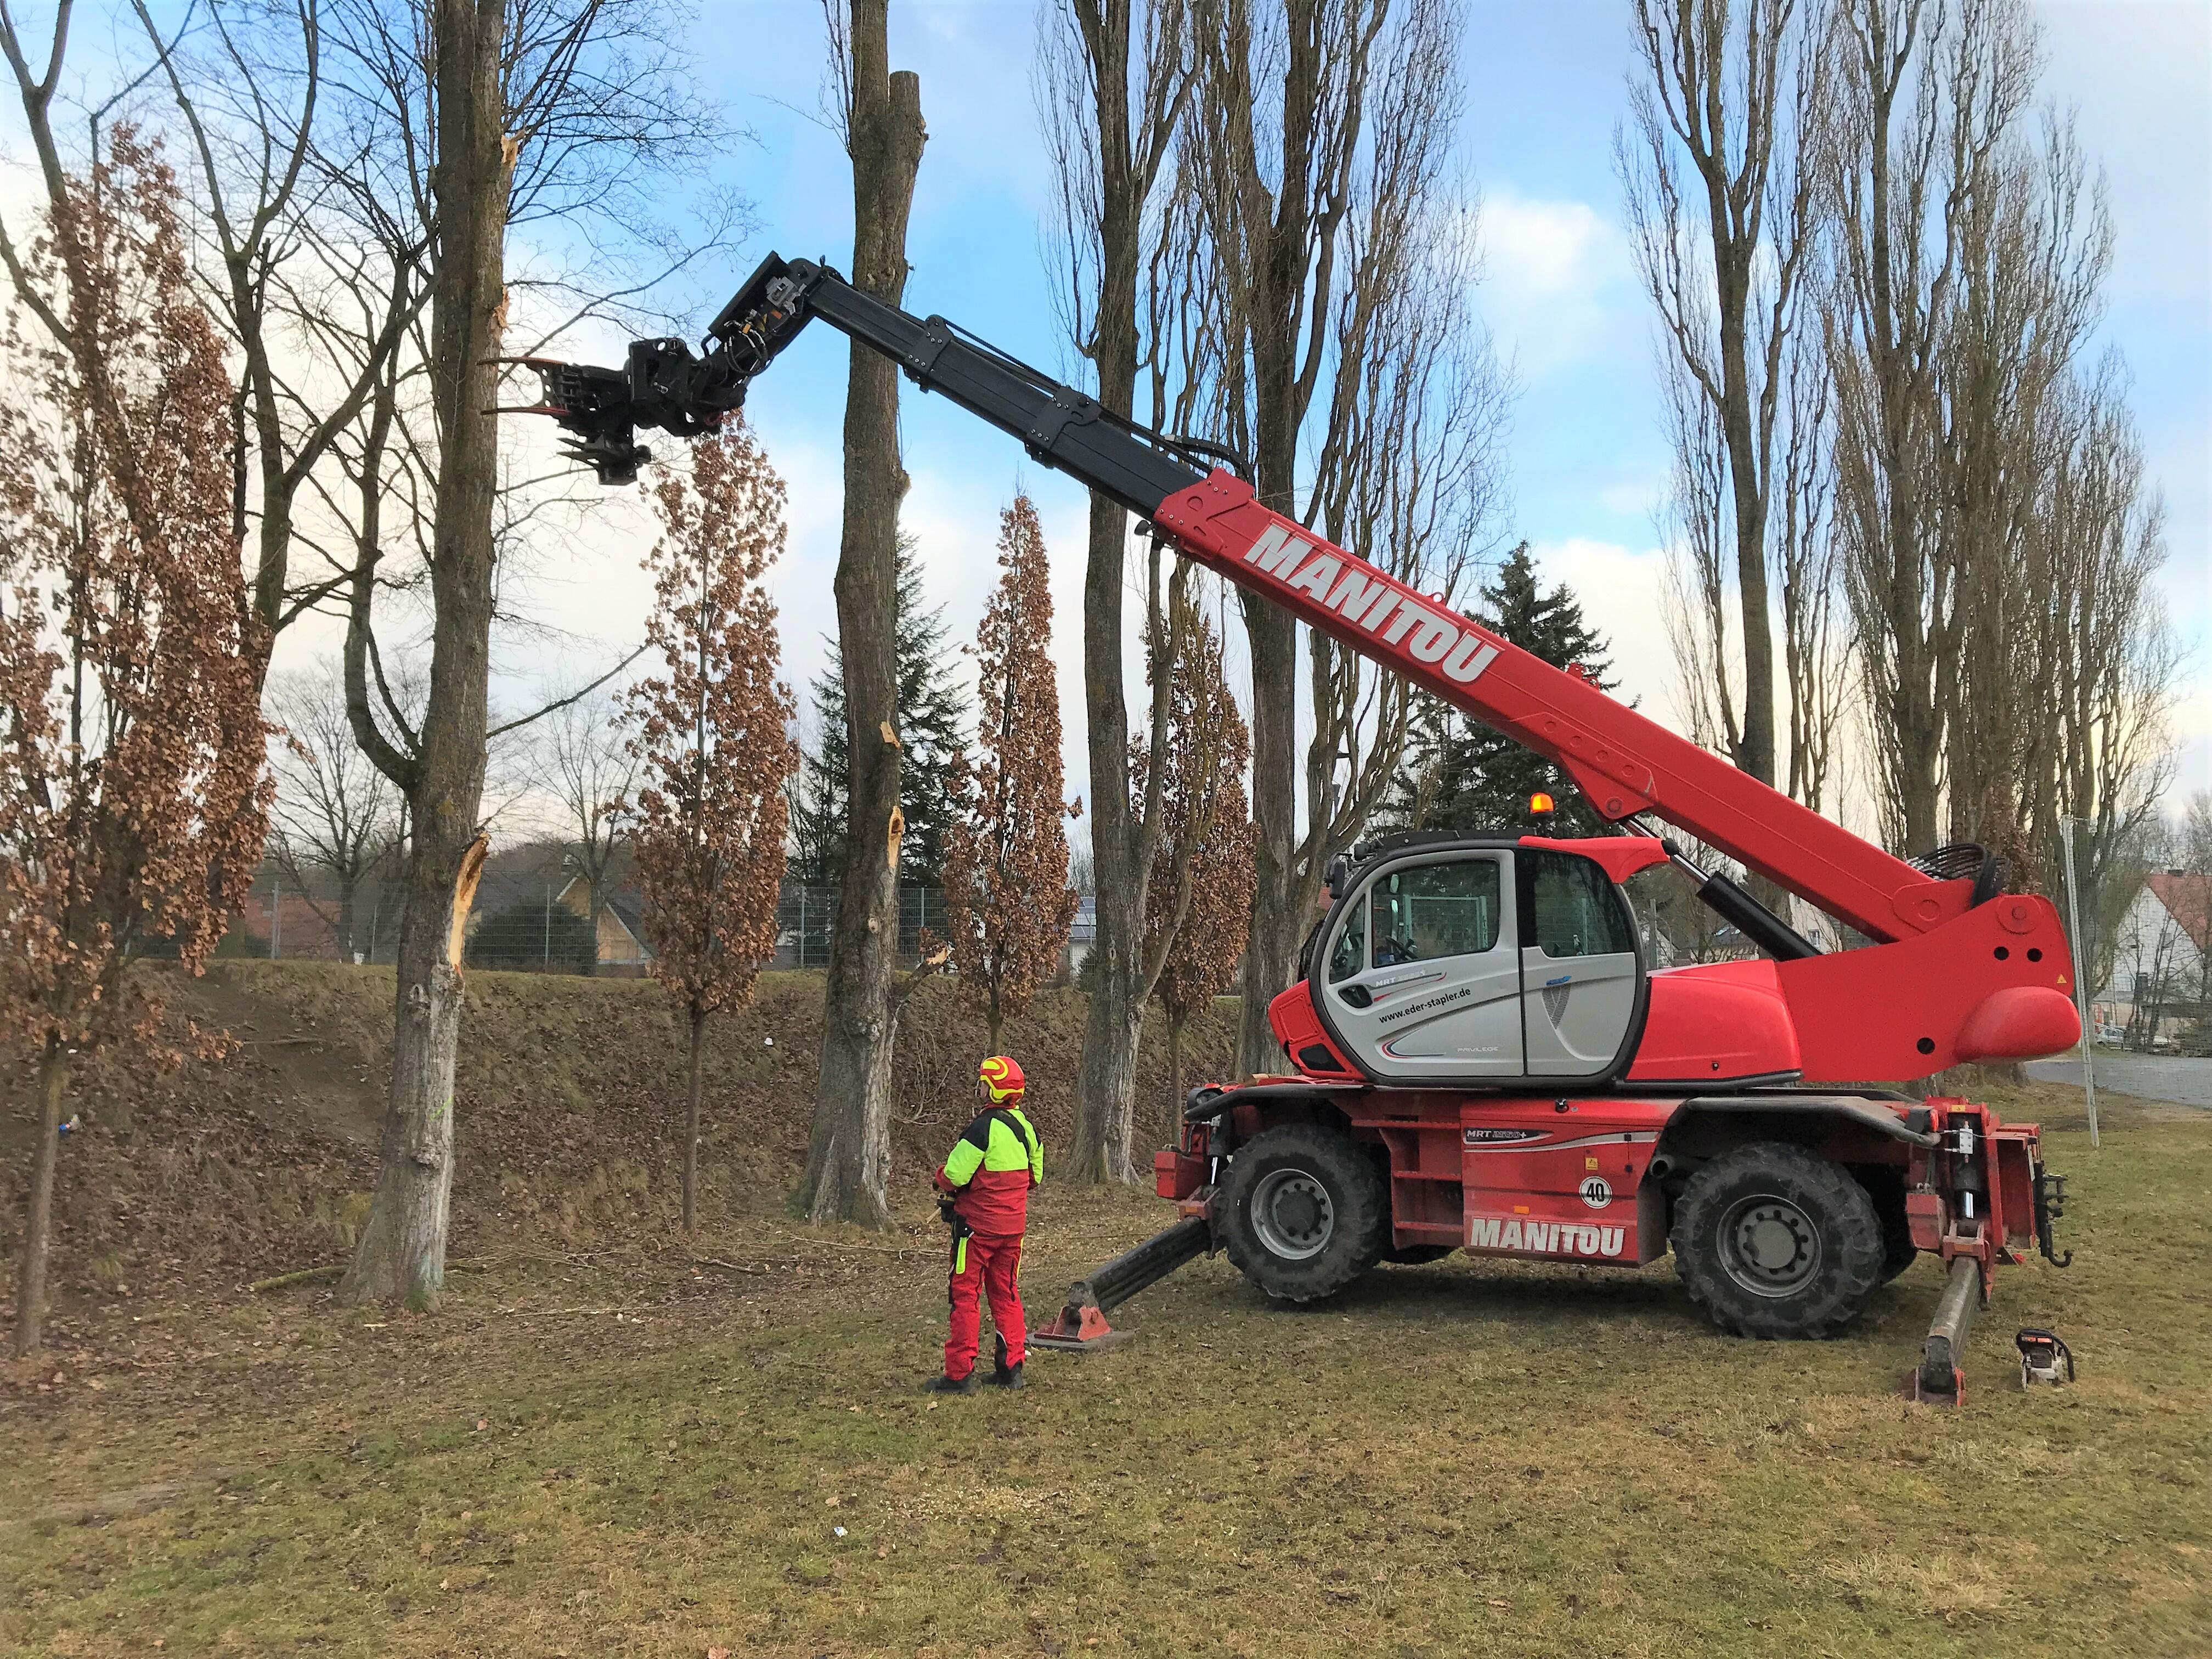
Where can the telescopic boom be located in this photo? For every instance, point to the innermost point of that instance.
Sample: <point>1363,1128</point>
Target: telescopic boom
<point>1624,764</point>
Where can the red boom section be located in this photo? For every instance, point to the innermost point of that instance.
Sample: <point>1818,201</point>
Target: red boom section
<point>1623,762</point>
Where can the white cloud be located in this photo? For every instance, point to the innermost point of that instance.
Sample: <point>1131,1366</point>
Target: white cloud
<point>1557,282</point>
<point>1619,588</point>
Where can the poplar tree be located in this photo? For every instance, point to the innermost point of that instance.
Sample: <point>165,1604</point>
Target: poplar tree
<point>1007,903</point>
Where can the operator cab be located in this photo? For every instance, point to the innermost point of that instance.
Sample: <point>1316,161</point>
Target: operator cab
<point>1485,961</point>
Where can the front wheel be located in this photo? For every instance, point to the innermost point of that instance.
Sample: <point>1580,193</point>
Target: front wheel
<point>1774,1242</point>
<point>1304,1211</point>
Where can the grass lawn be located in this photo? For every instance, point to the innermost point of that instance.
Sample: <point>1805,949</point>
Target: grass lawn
<point>630,1453</point>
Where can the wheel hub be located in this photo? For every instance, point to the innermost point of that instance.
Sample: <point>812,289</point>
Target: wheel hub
<point>1769,1246</point>
<point>1293,1214</point>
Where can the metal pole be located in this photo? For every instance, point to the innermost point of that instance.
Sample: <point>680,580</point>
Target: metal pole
<point>2081,978</point>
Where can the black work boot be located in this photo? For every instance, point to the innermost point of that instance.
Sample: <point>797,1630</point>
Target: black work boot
<point>1004,1375</point>
<point>967,1384</point>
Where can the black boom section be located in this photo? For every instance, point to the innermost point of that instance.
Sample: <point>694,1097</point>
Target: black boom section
<point>669,388</point>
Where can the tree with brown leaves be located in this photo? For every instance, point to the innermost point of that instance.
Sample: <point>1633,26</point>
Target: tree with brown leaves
<point>133,798</point>
<point>1007,903</point>
<point>1199,913</point>
<point>710,738</point>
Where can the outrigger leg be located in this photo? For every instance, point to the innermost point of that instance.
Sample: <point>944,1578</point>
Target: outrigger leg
<point>1940,1381</point>
<point>1081,1323</point>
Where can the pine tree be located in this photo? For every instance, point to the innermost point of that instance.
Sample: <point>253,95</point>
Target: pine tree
<point>932,727</point>
<point>1463,777</point>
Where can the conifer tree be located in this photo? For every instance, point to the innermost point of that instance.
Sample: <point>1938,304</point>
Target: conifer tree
<point>1463,777</point>
<point>932,728</point>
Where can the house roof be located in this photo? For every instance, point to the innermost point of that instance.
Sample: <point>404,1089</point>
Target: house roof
<point>624,907</point>
<point>627,912</point>
<point>2188,900</point>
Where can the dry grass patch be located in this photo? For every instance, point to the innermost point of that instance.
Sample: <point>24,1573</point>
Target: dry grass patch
<point>613,1451</point>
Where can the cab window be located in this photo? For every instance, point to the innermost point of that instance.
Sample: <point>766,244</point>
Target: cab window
<point>1435,911</point>
<point>1574,907</point>
<point>1350,956</point>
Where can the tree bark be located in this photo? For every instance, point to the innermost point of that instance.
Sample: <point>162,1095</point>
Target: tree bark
<point>849,1160</point>
<point>1279,907</point>
<point>402,1252</point>
<point>1175,1079</point>
<point>691,1118</point>
<point>1105,1093</point>
<point>1105,1081</point>
<point>348,885</point>
<point>37,1223</point>
<point>1286,254</point>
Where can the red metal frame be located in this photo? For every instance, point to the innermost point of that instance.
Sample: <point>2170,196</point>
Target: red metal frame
<point>1623,762</point>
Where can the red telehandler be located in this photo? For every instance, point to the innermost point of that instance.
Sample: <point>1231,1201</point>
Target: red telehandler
<point>1484,1060</point>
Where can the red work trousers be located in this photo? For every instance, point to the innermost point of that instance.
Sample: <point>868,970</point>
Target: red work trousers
<point>983,1263</point>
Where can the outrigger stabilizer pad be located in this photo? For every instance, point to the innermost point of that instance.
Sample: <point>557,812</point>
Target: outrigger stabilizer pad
<point>1080,1325</point>
<point>2043,1356</point>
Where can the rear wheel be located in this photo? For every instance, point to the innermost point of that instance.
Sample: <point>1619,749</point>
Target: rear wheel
<point>1305,1212</point>
<point>1772,1241</point>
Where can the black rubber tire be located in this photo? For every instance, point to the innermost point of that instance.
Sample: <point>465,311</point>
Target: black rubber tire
<point>1358,1197</point>
<point>1886,1187</point>
<point>1417,1255</point>
<point>1842,1219</point>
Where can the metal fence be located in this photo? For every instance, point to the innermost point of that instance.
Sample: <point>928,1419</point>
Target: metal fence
<point>521,923</point>
<point>806,917</point>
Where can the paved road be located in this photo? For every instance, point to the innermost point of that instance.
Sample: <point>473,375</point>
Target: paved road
<point>2146,1077</point>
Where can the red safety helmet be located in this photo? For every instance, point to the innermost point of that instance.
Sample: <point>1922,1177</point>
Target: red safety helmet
<point>1001,1080</point>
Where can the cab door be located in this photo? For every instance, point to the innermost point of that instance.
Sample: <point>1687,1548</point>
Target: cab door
<point>1424,971</point>
<point>1580,973</point>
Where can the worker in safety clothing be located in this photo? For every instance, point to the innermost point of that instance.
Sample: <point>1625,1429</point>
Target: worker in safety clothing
<point>987,1180</point>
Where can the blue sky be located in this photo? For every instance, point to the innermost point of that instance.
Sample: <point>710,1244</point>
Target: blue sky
<point>1545,88</point>
<point>1544,91</point>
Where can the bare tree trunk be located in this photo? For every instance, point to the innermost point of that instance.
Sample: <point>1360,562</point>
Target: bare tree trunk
<point>848,1160</point>
<point>691,1118</point>
<point>1124,79</point>
<point>37,1223</point>
<point>1175,1078</point>
<point>1272,641</point>
<point>347,886</point>
<point>1276,911</point>
<point>1105,1080</point>
<point>1722,216</point>
<point>402,1248</point>
<point>1278,908</point>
